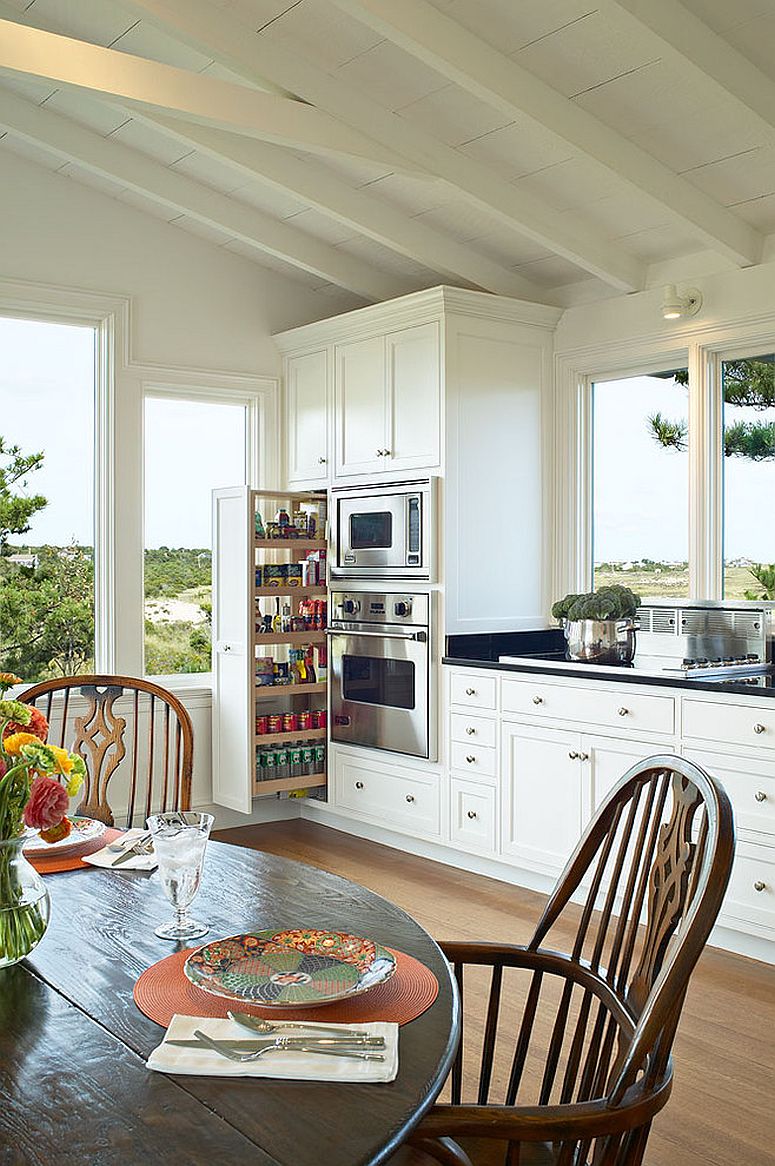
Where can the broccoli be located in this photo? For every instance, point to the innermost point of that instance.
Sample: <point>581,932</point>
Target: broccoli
<point>614,602</point>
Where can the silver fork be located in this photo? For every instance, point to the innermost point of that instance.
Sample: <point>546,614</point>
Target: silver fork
<point>142,846</point>
<point>280,1045</point>
<point>258,1024</point>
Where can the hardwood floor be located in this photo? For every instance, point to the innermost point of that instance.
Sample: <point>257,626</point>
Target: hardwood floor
<point>721,1112</point>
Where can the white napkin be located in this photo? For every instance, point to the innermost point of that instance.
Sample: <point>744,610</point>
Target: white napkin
<point>106,857</point>
<point>292,1066</point>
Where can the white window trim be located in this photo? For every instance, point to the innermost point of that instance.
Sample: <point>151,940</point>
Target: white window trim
<point>260,398</point>
<point>702,350</point>
<point>109,316</point>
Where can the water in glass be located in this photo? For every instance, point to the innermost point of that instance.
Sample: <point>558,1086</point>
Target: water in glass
<point>179,841</point>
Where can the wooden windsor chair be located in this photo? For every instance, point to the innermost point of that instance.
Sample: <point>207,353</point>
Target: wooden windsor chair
<point>581,1046</point>
<point>142,749</point>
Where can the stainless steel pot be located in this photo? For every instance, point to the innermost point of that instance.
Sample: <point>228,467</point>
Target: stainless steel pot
<point>601,641</point>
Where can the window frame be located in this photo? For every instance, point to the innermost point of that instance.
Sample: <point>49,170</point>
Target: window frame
<point>107,317</point>
<point>700,349</point>
<point>258,396</point>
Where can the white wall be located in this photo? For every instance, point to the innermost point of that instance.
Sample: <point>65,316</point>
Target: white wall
<point>193,306</point>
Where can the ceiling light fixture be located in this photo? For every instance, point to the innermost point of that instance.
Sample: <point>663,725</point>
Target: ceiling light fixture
<point>675,306</point>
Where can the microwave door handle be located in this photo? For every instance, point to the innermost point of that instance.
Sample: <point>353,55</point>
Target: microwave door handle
<point>420,637</point>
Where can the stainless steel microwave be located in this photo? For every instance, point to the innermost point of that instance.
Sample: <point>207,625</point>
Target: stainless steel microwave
<point>385,532</point>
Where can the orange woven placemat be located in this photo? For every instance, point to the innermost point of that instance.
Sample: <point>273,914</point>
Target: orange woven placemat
<point>53,863</point>
<point>163,990</point>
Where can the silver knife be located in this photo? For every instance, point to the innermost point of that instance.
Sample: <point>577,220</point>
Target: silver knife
<point>136,850</point>
<point>253,1046</point>
<point>254,1023</point>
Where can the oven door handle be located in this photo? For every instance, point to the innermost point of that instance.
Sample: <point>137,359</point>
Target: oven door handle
<point>419,637</point>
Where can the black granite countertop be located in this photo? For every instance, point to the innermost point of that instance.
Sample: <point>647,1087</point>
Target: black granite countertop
<point>542,653</point>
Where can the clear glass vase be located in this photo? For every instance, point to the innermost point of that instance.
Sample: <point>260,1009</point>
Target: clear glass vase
<point>24,904</point>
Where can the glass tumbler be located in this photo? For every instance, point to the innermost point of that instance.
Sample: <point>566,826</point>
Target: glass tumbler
<point>179,841</point>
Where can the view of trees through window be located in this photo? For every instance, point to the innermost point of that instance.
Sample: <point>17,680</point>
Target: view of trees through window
<point>191,447</point>
<point>47,390</point>
<point>640,488</point>
<point>640,507</point>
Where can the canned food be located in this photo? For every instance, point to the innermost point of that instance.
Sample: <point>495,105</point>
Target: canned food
<point>321,719</point>
<point>290,723</point>
<point>320,758</point>
<point>275,724</point>
<point>308,760</point>
<point>294,761</point>
<point>306,721</point>
<point>282,763</point>
<point>262,725</point>
<point>268,765</point>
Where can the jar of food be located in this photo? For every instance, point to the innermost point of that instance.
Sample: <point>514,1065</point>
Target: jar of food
<point>283,769</point>
<point>294,761</point>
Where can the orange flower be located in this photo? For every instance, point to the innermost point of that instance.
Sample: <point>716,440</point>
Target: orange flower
<point>13,743</point>
<point>37,724</point>
<point>9,678</point>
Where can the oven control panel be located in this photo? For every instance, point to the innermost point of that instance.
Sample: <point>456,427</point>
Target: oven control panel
<point>377,607</point>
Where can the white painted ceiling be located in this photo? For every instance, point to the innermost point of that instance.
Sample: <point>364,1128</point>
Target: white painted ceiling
<point>501,185</point>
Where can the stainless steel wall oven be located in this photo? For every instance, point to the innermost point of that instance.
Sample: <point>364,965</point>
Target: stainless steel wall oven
<point>380,668</point>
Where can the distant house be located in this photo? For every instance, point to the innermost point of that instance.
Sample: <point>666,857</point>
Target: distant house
<point>24,560</point>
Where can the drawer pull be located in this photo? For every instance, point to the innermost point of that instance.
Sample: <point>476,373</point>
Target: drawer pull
<point>471,731</point>
<point>623,712</point>
<point>410,797</point>
<point>583,757</point>
<point>538,700</point>
<point>471,759</point>
<point>472,814</point>
<point>574,755</point>
<point>759,727</point>
<point>470,692</point>
<point>359,785</point>
<point>760,795</point>
<point>759,885</point>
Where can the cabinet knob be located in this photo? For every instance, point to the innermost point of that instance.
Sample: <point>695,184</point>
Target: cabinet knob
<point>760,795</point>
<point>573,754</point>
<point>622,711</point>
<point>470,692</point>
<point>379,453</point>
<point>470,730</point>
<point>359,785</point>
<point>583,757</point>
<point>759,727</point>
<point>386,453</point>
<point>759,885</point>
<point>227,647</point>
<point>538,700</point>
<point>410,797</point>
<point>472,814</point>
<point>321,461</point>
<point>471,759</point>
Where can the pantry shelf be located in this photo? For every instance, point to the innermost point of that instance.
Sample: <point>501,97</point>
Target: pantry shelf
<point>273,691</point>
<point>291,735</point>
<point>290,638</point>
<point>287,784</point>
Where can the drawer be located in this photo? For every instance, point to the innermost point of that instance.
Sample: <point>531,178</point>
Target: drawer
<point>734,724</point>
<point>474,730</point>
<point>750,899</point>
<point>621,710</point>
<point>474,760</point>
<point>751,789</point>
<point>400,800</point>
<point>473,816</point>
<point>476,690</point>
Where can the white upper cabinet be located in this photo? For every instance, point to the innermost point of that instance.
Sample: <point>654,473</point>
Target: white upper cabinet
<point>387,402</point>
<point>306,404</point>
<point>360,406</point>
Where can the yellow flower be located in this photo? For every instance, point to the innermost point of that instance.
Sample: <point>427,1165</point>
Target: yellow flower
<point>14,741</point>
<point>63,758</point>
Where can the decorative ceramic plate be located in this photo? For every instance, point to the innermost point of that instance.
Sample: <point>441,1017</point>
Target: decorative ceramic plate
<point>290,968</point>
<point>84,830</point>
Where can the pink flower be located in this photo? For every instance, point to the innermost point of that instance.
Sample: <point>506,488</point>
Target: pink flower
<point>47,804</point>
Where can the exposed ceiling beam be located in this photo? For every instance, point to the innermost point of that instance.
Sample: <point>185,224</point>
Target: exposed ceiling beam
<point>460,56</point>
<point>110,159</point>
<point>685,38</point>
<point>197,23</point>
<point>32,52</point>
<point>355,208</point>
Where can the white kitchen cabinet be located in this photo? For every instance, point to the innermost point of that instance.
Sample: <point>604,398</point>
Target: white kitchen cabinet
<point>474,816</point>
<point>387,402</point>
<point>306,406</point>
<point>542,797</point>
<point>395,796</point>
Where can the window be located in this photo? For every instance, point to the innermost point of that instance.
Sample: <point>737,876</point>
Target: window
<point>640,483</point>
<point>47,526</point>
<point>192,446</point>
<point>748,389</point>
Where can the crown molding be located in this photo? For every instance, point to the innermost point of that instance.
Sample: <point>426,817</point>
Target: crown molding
<point>416,308</point>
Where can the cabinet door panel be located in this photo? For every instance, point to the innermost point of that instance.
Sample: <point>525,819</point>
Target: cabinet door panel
<point>413,387</point>
<point>542,811</point>
<point>306,395</point>
<point>361,425</point>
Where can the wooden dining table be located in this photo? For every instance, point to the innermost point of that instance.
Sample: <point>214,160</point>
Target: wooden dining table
<point>74,1087</point>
